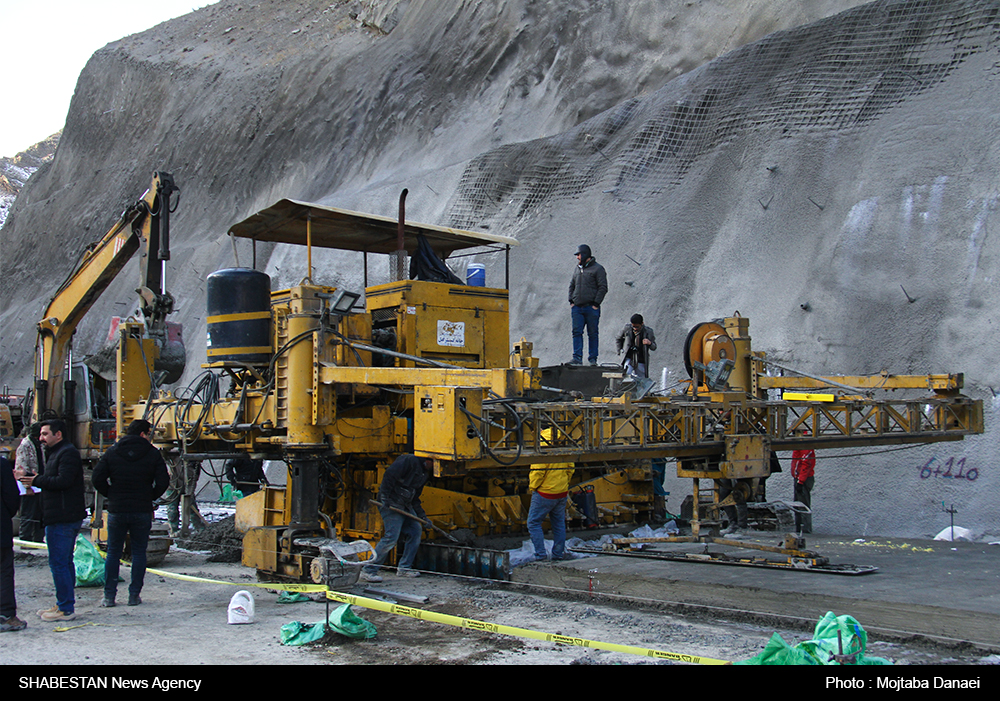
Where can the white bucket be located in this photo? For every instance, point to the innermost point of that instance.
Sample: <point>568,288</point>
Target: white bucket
<point>241,608</point>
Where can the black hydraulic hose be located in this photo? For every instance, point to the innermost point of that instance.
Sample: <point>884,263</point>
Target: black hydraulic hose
<point>347,342</point>
<point>473,419</point>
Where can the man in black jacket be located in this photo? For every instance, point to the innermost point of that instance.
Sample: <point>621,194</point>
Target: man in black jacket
<point>586,292</point>
<point>9,501</point>
<point>401,487</point>
<point>131,476</point>
<point>63,510</point>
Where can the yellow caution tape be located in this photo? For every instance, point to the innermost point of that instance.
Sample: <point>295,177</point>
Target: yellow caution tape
<point>277,586</point>
<point>472,624</point>
<point>63,629</point>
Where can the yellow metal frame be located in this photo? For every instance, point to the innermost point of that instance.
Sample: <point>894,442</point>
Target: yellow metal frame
<point>451,390</point>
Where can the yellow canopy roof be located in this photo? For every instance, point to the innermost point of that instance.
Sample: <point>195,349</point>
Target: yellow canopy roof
<point>285,222</point>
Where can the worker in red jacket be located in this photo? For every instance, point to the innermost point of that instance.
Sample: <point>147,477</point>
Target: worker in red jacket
<point>803,470</point>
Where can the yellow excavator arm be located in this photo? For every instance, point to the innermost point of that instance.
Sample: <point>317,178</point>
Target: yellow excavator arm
<point>143,226</point>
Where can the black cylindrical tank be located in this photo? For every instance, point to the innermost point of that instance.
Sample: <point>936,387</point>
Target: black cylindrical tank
<point>239,316</point>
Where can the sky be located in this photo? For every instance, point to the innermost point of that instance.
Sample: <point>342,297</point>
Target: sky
<point>46,44</point>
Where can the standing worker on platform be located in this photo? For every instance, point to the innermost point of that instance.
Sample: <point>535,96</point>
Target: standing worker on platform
<point>636,340</point>
<point>131,476</point>
<point>586,292</point>
<point>401,487</point>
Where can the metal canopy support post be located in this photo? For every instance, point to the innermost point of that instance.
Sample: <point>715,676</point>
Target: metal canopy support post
<point>400,273</point>
<point>309,249</point>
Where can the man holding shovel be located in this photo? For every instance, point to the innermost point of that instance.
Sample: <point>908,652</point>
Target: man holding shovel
<point>400,492</point>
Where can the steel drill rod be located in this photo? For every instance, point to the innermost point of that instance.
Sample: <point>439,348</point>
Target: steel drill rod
<point>416,518</point>
<point>827,380</point>
<point>404,356</point>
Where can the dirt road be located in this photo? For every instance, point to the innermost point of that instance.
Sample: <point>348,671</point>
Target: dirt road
<point>185,623</point>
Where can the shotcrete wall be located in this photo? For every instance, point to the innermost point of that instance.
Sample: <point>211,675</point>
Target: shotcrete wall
<point>848,165</point>
<point>835,183</point>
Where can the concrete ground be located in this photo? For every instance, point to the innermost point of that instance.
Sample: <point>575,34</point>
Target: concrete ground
<point>937,589</point>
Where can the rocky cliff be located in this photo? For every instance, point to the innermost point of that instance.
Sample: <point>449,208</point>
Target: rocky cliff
<point>14,172</point>
<point>826,169</point>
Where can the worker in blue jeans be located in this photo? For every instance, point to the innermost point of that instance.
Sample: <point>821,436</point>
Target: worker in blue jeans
<point>63,511</point>
<point>396,526</point>
<point>586,292</point>
<point>401,486</point>
<point>550,488</point>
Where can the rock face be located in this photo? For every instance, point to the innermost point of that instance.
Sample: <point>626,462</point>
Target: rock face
<point>717,156</point>
<point>14,172</point>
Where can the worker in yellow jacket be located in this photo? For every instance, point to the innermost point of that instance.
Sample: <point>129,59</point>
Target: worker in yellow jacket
<point>549,484</point>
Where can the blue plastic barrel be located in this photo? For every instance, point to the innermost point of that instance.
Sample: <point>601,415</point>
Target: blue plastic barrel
<point>475,275</point>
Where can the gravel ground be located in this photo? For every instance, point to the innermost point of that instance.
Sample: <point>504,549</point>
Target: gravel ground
<point>185,623</point>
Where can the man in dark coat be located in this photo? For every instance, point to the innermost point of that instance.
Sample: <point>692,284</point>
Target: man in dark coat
<point>63,510</point>
<point>131,476</point>
<point>586,292</point>
<point>636,340</point>
<point>401,487</point>
<point>10,501</point>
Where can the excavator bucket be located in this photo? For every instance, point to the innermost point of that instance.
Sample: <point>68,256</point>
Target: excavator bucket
<point>171,361</point>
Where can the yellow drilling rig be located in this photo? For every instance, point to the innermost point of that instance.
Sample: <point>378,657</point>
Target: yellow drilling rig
<point>338,383</point>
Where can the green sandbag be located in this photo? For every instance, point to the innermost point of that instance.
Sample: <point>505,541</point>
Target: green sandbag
<point>346,622</point>
<point>88,563</point>
<point>298,633</point>
<point>292,597</point>
<point>342,620</point>
<point>822,648</point>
